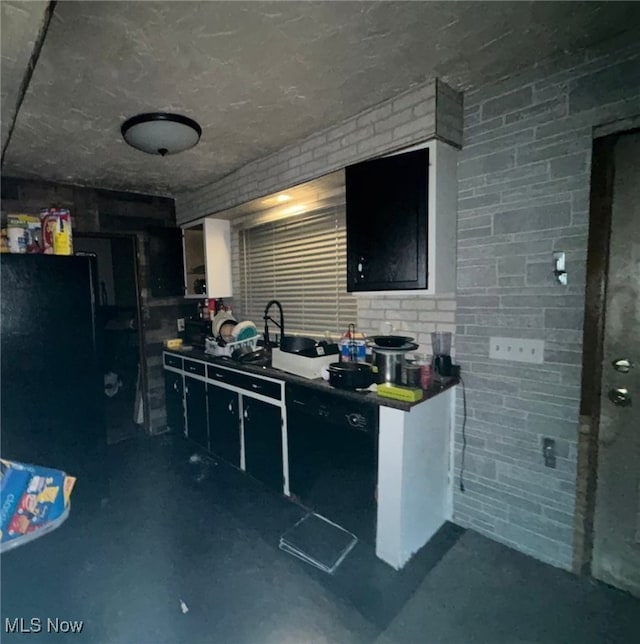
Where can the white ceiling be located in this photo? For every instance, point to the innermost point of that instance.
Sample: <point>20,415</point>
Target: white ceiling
<point>257,76</point>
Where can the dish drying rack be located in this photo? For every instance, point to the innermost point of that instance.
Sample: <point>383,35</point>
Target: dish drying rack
<point>214,349</point>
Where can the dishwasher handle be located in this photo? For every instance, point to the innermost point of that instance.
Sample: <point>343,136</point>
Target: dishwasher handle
<point>332,408</point>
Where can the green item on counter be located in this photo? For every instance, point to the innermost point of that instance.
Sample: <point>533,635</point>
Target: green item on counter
<point>406,394</point>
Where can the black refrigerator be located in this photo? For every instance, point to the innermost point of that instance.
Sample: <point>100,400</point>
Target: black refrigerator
<point>51,388</point>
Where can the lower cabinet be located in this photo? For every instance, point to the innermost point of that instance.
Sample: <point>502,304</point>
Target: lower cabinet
<point>196,406</point>
<point>263,442</point>
<point>222,409</point>
<point>224,423</point>
<point>174,397</point>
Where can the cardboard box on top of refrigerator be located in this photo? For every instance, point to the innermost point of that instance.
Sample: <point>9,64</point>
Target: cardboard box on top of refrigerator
<point>57,238</point>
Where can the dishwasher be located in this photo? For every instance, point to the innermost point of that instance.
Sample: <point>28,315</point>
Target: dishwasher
<point>333,457</point>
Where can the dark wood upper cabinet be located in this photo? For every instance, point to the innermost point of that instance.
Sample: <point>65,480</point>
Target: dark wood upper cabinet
<point>166,266</point>
<point>401,221</point>
<point>387,223</point>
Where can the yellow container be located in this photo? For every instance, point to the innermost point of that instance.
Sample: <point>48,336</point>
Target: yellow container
<point>57,238</point>
<point>406,394</point>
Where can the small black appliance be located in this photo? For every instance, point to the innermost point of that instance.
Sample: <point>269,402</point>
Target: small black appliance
<point>441,348</point>
<point>196,332</point>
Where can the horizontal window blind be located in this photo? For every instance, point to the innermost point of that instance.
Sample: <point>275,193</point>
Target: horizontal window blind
<point>301,262</point>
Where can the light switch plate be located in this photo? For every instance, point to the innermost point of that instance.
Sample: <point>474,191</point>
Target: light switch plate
<point>516,349</point>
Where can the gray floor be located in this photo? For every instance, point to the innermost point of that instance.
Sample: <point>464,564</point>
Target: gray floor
<point>484,593</point>
<point>207,535</point>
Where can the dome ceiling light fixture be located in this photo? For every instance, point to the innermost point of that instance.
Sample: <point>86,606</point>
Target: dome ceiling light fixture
<point>161,132</point>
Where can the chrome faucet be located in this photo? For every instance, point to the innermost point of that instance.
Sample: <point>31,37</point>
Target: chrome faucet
<point>266,317</point>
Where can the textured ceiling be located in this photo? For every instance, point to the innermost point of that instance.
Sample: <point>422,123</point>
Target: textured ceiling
<point>16,45</point>
<point>257,75</point>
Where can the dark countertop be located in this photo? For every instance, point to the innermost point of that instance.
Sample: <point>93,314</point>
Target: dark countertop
<point>317,383</point>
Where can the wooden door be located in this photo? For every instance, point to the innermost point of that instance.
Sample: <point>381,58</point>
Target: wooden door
<point>616,547</point>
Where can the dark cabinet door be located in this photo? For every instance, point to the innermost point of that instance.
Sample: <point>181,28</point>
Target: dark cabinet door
<point>263,442</point>
<point>196,405</point>
<point>387,223</point>
<point>166,267</point>
<point>174,400</point>
<point>224,423</point>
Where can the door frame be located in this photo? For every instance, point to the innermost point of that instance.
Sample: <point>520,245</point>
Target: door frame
<point>141,337</point>
<point>600,203</point>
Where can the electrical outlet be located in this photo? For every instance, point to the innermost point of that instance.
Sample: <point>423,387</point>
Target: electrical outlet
<point>180,322</point>
<point>516,349</point>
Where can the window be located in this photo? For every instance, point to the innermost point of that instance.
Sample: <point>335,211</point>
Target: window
<point>301,262</point>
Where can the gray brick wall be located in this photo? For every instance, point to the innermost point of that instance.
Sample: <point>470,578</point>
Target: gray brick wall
<point>523,193</point>
<point>415,315</point>
<point>411,117</point>
<point>414,116</point>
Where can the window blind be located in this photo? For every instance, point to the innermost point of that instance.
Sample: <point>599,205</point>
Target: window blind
<point>301,262</point>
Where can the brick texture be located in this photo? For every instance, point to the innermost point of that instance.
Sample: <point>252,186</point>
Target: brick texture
<point>414,116</point>
<point>105,211</point>
<point>416,316</point>
<point>524,192</point>
<point>404,120</point>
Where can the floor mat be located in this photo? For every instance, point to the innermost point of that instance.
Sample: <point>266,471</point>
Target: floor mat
<point>318,541</point>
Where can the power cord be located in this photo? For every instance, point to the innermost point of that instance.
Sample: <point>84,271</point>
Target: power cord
<point>464,433</point>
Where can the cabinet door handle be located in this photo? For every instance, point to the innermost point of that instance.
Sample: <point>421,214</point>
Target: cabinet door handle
<point>360,268</point>
<point>218,375</point>
<point>254,386</point>
<point>246,413</point>
<point>175,386</point>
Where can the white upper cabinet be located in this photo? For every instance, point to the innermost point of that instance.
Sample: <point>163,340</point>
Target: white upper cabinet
<point>207,258</point>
